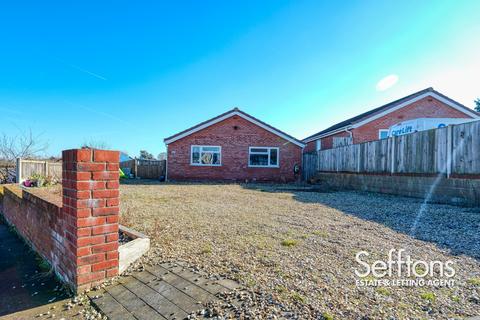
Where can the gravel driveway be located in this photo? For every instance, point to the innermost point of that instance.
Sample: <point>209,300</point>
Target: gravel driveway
<point>296,250</point>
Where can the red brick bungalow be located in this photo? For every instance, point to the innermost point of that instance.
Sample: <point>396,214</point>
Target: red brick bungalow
<point>374,124</point>
<point>233,146</point>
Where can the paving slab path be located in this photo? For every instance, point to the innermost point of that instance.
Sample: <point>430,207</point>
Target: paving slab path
<point>25,280</point>
<point>165,291</point>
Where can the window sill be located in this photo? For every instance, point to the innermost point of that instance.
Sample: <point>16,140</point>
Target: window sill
<point>273,167</point>
<point>205,165</point>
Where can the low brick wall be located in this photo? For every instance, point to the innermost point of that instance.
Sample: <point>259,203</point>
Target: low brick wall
<point>39,219</point>
<point>449,191</point>
<point>77,231</point>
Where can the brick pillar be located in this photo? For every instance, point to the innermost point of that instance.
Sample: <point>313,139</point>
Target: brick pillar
<point>90,204</point>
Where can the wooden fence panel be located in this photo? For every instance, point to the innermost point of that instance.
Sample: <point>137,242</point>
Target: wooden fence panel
<point>54,169</point>
<point>326,161</point>
<point>416,153</point>
<point>309,165</point>
<point>441,149</point>
<point>26,168</point>
<point>466,148</point>
<point>373,156</point>
<point>145,169</point>
<point>450,150</point>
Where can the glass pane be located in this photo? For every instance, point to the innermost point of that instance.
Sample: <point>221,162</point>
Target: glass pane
<point>264,150</point>
<point>273,157</point>
<point>207,157</point>
<point>258,159</point>
<point>195,149</point>
<point>383,134</point>
<point>211,149</point>
<point>216,158</point>
<point>196,157</point>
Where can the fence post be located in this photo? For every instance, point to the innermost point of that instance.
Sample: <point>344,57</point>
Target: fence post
<point>358,153</point>
<point>135,167</point>
<point>449,163</point>
<point>18,172</point>
<point>46,168</point>
<point>392,154</point>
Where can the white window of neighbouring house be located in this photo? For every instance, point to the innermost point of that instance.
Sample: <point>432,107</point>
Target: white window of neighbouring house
<point>206,156</point>
<point>318,145</point>
<point>263,157</point>
<point>382,134</point>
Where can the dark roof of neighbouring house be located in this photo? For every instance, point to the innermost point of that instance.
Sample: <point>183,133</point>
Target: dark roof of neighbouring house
<point>226,115</point>
<point>385,107</point>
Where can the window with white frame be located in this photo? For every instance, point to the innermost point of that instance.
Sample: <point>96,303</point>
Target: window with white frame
<point>382,133</point>
<point>263,157</point>
<point>206,156</point>
<point>318,145</point>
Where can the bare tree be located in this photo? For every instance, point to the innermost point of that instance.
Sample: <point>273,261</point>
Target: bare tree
<point>23,145</point>
<point>95,144</point>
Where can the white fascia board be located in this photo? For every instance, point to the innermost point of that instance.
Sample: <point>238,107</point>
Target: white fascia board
<point>326,134</point>
<point>408,102</point>
<point>228,115</point>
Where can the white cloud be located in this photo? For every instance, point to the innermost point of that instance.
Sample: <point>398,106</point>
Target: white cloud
<point>387,82</point>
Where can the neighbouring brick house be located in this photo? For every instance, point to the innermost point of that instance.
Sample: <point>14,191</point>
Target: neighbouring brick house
<point>374,124</point>
<point>233,146</point>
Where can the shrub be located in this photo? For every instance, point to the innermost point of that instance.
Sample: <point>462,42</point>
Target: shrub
<point>289,242</point>
<point>429,296</point>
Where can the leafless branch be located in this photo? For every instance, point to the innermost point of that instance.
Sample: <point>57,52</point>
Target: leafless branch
<point>24,145</point>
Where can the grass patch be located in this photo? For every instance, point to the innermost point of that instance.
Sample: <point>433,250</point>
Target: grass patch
<point>419,269</point>
<point>289,242</point>
<point>320,233</point>
<point>369,278</point>
<point>207,249</point>
<point>429,296</point>
<point>327,316</point>
<point>384,291</point>
<point>298,297</point>
<point>474,281</point>
<point>280,289</point>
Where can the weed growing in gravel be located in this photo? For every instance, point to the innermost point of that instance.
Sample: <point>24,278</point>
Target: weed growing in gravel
<point>369,278</point>
<point>207,249</point>
<point>320,233</point>
<point>327,316</point>
<point>298,297</point>
<point>251,282</point>
<point>429,296</point>
<point>280,289</point>
<point>384,291</point>
<point>419,269</point>
<point>289,242</point>
<point>455,299</point>
<point>474,281</point>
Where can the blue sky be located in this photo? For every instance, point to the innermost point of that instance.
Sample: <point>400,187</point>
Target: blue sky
<point>132,73</point>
